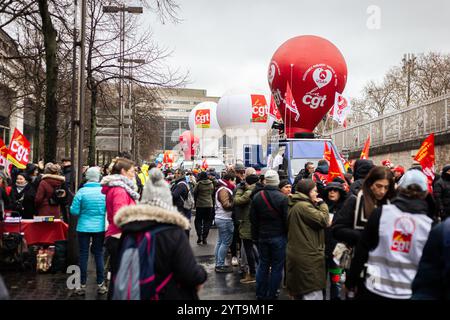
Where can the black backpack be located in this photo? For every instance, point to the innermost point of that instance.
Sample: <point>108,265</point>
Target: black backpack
<point>58,197</point>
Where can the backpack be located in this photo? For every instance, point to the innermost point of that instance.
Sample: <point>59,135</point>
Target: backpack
<point>58,197</point>
<point>189,202</point>
<point>135,279</point>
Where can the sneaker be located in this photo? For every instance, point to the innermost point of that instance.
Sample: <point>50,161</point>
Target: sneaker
<point>234,262</point>
<point>224,269</point>
<point>102,288</point>
<point>249,278</point>
<point>204,242</point>
<point>199,241</point>
<point>81,291</point>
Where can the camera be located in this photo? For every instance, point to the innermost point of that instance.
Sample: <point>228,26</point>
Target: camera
<point>60,193</point>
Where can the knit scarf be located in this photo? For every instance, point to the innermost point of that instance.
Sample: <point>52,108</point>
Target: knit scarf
<point>118,180</point>
<point>227,184</point>
<point>20,187</point>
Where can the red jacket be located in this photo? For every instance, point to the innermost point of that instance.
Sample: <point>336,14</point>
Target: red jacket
<point>48,184</point>
<point>116,198</point>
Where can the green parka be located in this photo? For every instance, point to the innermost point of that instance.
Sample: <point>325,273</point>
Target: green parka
<point>242,203</point>
<point>204,194</point>
<point>305,252</point>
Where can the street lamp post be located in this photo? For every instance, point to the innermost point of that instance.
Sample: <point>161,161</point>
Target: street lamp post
<point>130,104</point>
<point>409,61</point>
<point>121,9</point>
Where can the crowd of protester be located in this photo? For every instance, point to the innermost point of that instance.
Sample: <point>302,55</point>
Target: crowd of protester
<point>374,235</point>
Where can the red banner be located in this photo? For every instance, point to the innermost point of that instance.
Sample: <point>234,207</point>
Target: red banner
<point>259,108</point>
<point>365,151</point>
<point>3,154</point>
<point>273,111</point>
<point>327,153</point>
<point>425,156</point>
<point>335,170</point>
<point>19,150</point>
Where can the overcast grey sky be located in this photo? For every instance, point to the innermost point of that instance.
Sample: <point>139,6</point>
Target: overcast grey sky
<point>226,44</point>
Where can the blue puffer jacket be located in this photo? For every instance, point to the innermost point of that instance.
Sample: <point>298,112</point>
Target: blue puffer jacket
<point>90,204</point>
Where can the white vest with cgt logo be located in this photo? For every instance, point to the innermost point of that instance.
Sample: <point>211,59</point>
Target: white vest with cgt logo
<point>393,264</point>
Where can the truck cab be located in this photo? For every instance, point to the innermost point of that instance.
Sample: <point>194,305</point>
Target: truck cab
<point>296,153</point>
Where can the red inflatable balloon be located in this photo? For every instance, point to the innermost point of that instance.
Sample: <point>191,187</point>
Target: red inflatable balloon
<point>314,70</point>
<point>188,141</point>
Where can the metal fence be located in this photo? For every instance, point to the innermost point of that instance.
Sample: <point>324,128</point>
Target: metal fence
<point>412,123</point>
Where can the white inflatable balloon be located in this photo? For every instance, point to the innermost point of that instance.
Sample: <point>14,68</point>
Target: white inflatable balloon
<point>204,117</point>
<point>244,111</point>
<point>244,116</point>
<point>203,123</point>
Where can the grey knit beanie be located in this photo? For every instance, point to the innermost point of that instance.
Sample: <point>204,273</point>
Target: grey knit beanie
<point>157,192</point>
<point>271,177</point>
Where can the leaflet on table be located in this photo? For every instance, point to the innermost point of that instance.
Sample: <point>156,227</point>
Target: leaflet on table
<point>44,219</point>
<point>13,219</point>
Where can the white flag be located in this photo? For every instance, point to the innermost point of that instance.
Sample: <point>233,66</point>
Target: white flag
<point>341,108</point>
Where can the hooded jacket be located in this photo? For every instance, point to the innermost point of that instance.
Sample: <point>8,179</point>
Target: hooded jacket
<point>441,193</point>
<point>305,253</point>
<point>89,204</point>
<point>173,253</point>
<point>48,184</point>
<point>242,204</point>
<point>119,193</point>
<point>333,208</point>
<point>204,194</point>
<point>361,169</point>
<point>180,192</point>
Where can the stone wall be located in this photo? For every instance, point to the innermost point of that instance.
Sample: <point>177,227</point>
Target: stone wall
<point>405,158</point>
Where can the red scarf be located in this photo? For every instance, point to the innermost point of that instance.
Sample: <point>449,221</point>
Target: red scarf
<point>227,184</point>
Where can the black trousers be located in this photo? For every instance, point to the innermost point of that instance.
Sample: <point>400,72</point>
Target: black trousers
<point>203,220</point>
<point>236,243</point>
<point>250,253</point>
<point>112,246</point>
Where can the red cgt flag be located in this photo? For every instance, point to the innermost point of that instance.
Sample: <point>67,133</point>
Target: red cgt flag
<point>425,156</point>
<point>19,150</point>
<point>365,151</point>
<point>290,102</point>
<point>327,153</point>
<point>204,164</point>
<point>273,110</point>
<point>3,149</point>
<point>335,170</point>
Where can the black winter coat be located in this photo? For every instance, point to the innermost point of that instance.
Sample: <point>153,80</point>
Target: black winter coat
<point>267,223</point>
<point>180,193</point>
<point>432,281</point>
<point>173,252</point>
<point>343,223</point>
<point>23,202</point>
<point>442,194</point>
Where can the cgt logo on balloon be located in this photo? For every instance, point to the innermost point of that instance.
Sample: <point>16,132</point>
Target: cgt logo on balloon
<point>322,75</point>
<point>202,118</point>
<point>259,108</point>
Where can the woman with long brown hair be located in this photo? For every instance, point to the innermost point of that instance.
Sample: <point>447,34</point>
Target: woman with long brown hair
<point>378,188</point>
